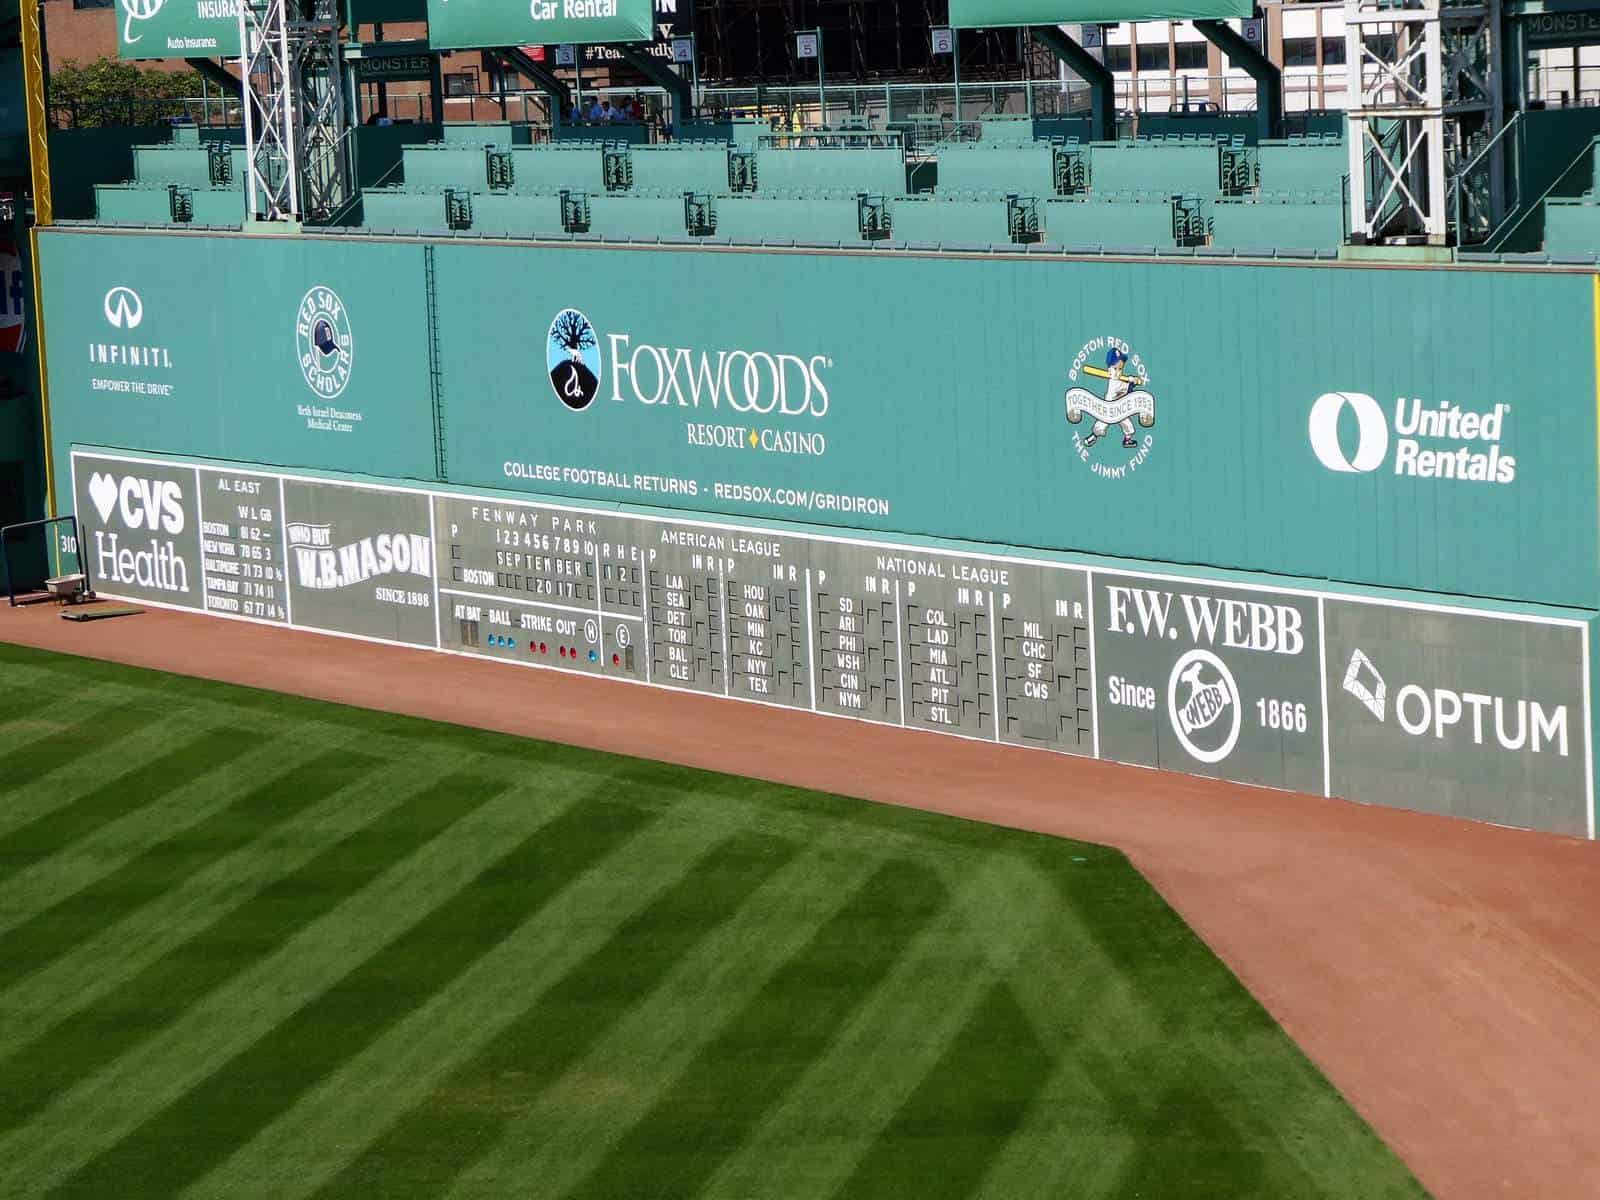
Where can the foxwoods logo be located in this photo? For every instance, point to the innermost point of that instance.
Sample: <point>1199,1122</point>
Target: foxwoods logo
<point>745,383</point>
<point>573,358</point>
<point>323,341</point>
<point>137,10</point>
<point>1422,712</point>
<point>321,565</point>
<point>141,506</point>
<point>124,310</point>
<point>1125,398</point>
<point>1442,442</point>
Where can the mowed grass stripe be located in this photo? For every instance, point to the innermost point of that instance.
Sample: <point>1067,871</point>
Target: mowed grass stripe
<point>54,932</point>
<point>467,1114</point>
<point>95,731</point>
<point>236,940</point>
<point>964,1110</point>
<point>807,1146</point>
<point>53,831</point>
<point>178,1145</point>
<point>707,1112</point>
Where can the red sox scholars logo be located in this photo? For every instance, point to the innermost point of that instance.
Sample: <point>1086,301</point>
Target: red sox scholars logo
<point>1123,399</point>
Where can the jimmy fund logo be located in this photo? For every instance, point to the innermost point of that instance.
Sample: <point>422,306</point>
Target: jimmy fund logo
<point>323,341</point>
<point>1439,441</point>
<point>1121,397</point>
<point>573,358</point>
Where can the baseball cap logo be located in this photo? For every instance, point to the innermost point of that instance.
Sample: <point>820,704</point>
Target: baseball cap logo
<point>1372,444</point>
<point>123,308</point>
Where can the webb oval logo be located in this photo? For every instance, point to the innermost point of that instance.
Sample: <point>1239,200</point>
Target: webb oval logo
<point>1372,445</point>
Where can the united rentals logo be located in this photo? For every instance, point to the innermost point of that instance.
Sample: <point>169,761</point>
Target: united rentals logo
<point>572,356</point>
<point>137,10</point>
<point>1125,398</point>
<point>323,341</point>
<point>1415,424</point>
<point>1203,704</point>
<point>1439,712</point>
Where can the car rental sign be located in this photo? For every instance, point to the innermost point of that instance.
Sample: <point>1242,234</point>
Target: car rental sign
<point>468,24</point>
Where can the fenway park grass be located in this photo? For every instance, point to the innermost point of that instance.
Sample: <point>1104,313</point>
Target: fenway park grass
<point>258,946</point>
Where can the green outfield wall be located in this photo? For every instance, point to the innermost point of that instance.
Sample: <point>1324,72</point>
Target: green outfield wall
<point>1304,526</point>
<point>1468,708</point>
<point>1331,422</point>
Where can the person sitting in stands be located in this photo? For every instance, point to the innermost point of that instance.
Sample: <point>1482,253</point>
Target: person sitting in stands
<point>596,113</point>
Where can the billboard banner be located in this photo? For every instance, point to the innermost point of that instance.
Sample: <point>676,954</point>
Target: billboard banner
<point>1475,712</point>
<point>1498,701</point>
<point>674,19</point>
<point>474,24</point>
<point>1175,413</point>
<point>319,361</point>
<point>1141,410</point>
<point>995,14</point>
<point>177,29</point>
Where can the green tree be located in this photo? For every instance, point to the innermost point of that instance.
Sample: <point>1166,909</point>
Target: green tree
<point>109,92</point>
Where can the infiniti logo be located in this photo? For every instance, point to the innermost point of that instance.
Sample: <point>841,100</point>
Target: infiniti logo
<point>123,308</point>
<point>1373,444</point>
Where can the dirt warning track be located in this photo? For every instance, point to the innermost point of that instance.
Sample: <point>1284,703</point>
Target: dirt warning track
<point>1444,975</point>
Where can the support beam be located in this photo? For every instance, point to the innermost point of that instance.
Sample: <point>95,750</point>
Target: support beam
<point>663,75</point>
<point>1102,84</point>
<point>560,95</point>
<point>214,72</point>
<point>1268,77</point>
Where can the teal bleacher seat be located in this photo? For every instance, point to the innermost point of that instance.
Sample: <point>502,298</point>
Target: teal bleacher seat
<point>1162,165</point>
<point>542,170</point>
<point>153,204</point>
<point>1123,219</point>
<point>1294,221</point>
<point>1302,164</point>
<point>693,167</point>
<point>880,170</point>
<point>185,164</point>
<point>975,166</point>
<point>440,166</point>
<point>501,135</point>
<point>970,219</point>
<point>403,208</point>
<point>1005,129</point>
<point>1572,225</point>
<point>789,217</point>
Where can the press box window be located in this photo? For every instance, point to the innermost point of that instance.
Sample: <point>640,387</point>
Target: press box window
<point>1191,56</point>
<point>1299,52</point>
<point>1154,58</point>
<point>1117,58</point>
<point>464,84</point>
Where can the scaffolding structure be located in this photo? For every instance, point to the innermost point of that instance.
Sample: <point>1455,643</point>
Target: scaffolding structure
<point>1427,111</point>
<point>296,113</point>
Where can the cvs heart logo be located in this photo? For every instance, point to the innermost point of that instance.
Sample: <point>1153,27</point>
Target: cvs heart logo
<point>103,492</point>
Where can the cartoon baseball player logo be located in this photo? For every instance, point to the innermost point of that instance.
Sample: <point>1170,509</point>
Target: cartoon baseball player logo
<point>1126,399</point>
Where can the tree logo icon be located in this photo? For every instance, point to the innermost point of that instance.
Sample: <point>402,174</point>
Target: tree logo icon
<point>573,357</point>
